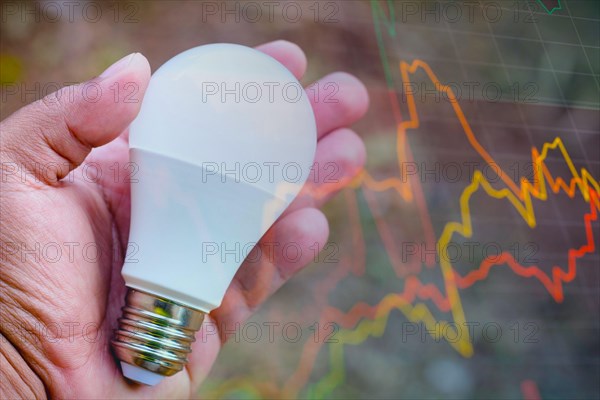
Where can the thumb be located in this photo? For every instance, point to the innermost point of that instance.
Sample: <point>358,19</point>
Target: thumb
<point>52,136</point>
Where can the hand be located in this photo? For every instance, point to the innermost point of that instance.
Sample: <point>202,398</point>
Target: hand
<point>60,300</point>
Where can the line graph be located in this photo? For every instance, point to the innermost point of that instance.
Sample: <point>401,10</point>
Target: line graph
<point>374,319</point>
<point>438,307</point>
<point>364,321</point>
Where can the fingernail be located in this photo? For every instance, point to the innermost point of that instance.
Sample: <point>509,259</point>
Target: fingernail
<point>118,66</point>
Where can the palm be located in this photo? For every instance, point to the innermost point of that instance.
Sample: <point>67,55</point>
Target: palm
<point>77,296</point>
<point>90,288</point>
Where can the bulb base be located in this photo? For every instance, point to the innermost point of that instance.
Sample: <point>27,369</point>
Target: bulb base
<point>155,333</point>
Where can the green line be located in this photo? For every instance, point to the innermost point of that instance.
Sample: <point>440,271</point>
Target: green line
<point>390,24</point>
<point>381,21</point>
<point>559,7</point>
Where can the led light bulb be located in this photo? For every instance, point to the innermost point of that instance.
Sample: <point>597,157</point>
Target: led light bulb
<point>223,143</point>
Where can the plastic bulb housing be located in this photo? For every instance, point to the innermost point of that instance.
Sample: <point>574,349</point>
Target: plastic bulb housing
<point>224,141</point>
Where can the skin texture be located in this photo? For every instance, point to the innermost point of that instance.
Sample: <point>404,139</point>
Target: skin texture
<point>82,296</point>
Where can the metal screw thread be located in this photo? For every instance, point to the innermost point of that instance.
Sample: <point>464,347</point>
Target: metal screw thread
<point>155,333</point>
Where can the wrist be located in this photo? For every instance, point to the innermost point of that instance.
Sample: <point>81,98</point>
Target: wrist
<point>17,379</point>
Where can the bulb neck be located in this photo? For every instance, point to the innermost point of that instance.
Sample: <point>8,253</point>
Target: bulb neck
<point>155,333</point>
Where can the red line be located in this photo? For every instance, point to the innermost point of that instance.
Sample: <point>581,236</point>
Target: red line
<point>553,284</point>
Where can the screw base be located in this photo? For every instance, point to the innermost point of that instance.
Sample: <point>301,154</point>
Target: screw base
<point>155,333</point>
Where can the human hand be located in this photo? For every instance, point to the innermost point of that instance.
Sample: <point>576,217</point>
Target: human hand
<point>59,304</point>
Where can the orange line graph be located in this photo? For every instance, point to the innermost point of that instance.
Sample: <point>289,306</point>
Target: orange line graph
<point>417,300</point>
<point>364,320</point>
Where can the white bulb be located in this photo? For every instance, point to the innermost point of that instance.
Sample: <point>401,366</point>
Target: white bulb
<point>223,143</point>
